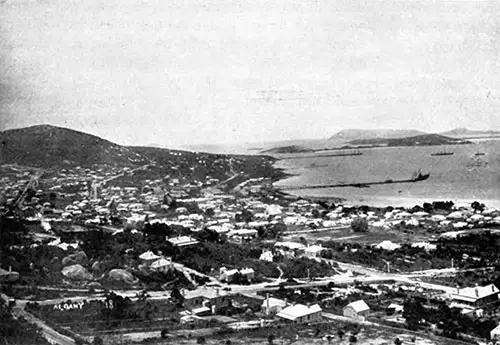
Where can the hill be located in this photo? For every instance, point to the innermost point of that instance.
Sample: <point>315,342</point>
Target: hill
<point>287,149</point>
<point>348,135</point>
<point>46,146</point>
<point>467,133</point>
<point>50,147</point>
<point>418,140</point>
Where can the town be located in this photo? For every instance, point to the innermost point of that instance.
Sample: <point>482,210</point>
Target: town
<point>167,253</point>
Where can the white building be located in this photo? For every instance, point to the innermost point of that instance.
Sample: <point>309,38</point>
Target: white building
<point>356,310</point>
<point>300,313</point>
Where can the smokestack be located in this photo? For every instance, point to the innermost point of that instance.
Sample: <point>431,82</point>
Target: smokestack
<point>458,290</point>
<point>477,292</point>
<point>492,288</point>
<point>217,292</point>
<point>10,269</point>
<point>267,301</point>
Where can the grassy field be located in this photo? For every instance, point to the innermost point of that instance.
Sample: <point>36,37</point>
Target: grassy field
<point>373,236</point>
<point>367,336</point>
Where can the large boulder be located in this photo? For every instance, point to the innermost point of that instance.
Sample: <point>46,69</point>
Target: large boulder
<point>123,276</point>
<point>74,259</point>
<point>76,272</point>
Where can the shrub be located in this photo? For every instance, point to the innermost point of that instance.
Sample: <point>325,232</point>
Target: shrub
<point>359,225</point>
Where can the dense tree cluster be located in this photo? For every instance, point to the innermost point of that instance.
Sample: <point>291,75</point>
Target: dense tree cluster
<point>451,322</point>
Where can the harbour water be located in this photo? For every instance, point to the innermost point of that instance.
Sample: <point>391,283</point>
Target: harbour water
<point>462,177</point>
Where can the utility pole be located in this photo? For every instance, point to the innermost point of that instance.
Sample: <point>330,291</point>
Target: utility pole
<point>388,266</point>
<point>452,266</point>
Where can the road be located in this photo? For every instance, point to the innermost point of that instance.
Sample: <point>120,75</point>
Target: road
<point>49,333</point>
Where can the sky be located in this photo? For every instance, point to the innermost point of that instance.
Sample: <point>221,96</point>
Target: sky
<point>182,72</point>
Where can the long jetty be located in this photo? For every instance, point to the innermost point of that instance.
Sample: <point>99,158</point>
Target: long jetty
<point>357,185</point>
<point>319,156</point>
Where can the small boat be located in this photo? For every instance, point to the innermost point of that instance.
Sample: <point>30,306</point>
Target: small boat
<point>479,154</point>
<point>442,153</point>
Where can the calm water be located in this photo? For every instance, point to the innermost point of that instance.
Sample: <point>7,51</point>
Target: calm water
<point>462,177</point>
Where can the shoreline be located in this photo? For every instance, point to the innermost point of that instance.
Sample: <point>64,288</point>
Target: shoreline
<point>394,201</point>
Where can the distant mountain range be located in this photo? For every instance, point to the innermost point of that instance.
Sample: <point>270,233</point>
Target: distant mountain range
<point>467,133</point>
<point>417,140</point>
<point>348,135</point>
<point>348,138</point>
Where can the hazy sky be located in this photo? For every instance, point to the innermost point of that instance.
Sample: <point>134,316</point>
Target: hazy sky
<point>176,72</point>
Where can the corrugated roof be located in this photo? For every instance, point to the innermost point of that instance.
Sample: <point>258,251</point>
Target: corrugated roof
<point>475,293</point>
<point>298,310</point>
<point>359,306</point>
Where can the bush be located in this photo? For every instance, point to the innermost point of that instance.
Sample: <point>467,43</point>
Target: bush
<point>359,225</point>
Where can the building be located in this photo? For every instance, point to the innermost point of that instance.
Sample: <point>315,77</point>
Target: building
<point>314,251</point>
<point>473,298</point>
<point>357,310</point>
<point>148,257</point>
<point>300,313</point>
<point>161,265</point>
<point>182,241</point>
<point>228,275</point>
<point>272,305</point>
<point>213,298</point>
<point>495,333</point>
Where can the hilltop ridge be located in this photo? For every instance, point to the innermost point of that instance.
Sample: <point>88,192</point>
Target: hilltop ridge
<point>47,145</point>
<point>346,135</point>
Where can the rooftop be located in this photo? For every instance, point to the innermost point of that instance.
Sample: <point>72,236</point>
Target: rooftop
<point>475,293</point>
<point>359,306</point>
<point>298,310</point>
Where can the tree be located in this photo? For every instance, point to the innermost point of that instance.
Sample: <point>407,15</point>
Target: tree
<point>359,225</point>
<point>397,341</point>
<point>270,339</point>
<point>97,341</point>
<point>201,340</point>
<point>176,296</point>
<point>164,333</point>
<point>477,206</point>
<point>353,339</point>
<point>340,333</point>
<point>413,312</point>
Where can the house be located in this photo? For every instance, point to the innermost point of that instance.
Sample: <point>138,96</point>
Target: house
<point>472,298</point>
<point>213,298</point>
<point>314,251</point>
<point>161,265</point>
<point>495,333</point>
<point>357,310</point>
<point>272,305</point>
<point>243,233</point>
<point>228,275</point>
<point>148,257</point>
<point>182,241</point>
<point>300,313</point>
<point>394,308</point>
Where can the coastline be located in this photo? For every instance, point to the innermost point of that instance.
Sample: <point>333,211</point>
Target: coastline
<point>394,201</point>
